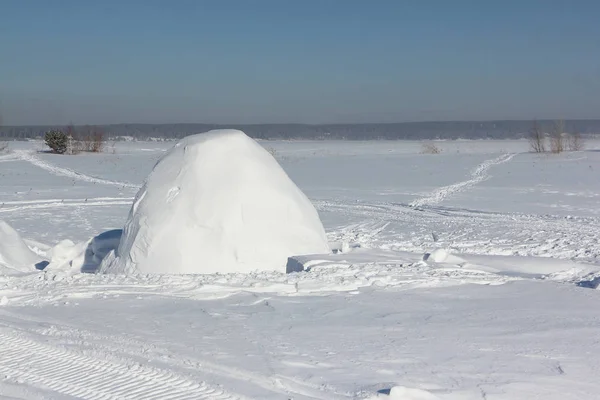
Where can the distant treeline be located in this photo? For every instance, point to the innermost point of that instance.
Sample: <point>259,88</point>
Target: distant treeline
<point>391,131</point>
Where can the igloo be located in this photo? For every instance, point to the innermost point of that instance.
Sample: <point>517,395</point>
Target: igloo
<point>216,202</point>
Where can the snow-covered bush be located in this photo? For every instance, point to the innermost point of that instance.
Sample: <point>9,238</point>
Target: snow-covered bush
<point>57,141</point>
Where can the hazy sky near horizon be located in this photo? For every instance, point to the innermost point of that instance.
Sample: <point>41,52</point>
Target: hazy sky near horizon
<point>309,61</point>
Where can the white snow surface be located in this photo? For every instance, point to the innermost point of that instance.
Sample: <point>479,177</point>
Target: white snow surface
<point>217,202</point>
<point>466,275</point>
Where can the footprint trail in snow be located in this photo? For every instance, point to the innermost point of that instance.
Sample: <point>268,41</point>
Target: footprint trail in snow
<point>478,175</point>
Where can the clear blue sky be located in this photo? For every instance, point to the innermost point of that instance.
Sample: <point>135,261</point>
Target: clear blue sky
<point>255,61</point>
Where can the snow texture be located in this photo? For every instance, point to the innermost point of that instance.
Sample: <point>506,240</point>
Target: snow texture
<point>467,275</point>
<point>405,393</point>
<point>217,202</point>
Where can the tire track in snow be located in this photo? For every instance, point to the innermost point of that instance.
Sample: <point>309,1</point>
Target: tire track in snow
<point>83,376</point>
<point>60,171</point>
<point>478,175</point>
<point>126,347</point>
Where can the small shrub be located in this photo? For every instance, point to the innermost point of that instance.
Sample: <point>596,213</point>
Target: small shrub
<point>575,142</point>
<point>57,141</point>
<point>272,151</point>
<point>112,147</point>
<point>87,139</point>
<point>97,140</point>
<point>537,139</point>
<point>430,148</point>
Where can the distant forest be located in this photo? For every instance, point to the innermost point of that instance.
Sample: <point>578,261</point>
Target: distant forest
<point>391,131</point>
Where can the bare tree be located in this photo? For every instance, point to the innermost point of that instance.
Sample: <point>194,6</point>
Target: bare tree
<point>557,137</point>
<point>575,142</point>
<point>272,151</point>
<point>90,138</point>
<point>537,139</point>
<point>97,140</point>
<point>74,145</point>
<point>3,143</point>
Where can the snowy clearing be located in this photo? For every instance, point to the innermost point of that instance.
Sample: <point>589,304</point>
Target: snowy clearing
<point>467,275</point>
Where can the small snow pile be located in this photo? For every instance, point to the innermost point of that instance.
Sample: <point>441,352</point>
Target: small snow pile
<point>70,258</point>
<point>217,202</point>
<point>438,255</point>
<point>15,256</point>
<point>405,393</point>
<point>67,256</point>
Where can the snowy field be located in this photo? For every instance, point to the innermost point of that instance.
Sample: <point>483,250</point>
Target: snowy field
<point>466,275</point>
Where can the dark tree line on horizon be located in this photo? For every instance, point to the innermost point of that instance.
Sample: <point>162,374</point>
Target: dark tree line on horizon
<point>390,131</point>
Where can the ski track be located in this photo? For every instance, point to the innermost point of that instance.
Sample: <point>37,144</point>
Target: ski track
<point>11,206</point>
<point>479,174</point>
<point>468,231</point>
<point>8,157</point>
<point>83,376</point>
<point>60,171</point>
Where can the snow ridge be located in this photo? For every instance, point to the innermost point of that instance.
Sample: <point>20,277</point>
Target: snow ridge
<point>56,170</point>
<point>82,376</point>
<point>479,174</point>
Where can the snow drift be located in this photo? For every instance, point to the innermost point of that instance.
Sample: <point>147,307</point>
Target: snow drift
<point>71,258</point>
<point>404,393</point>
<point>15,256</point>
<point>217,202</point>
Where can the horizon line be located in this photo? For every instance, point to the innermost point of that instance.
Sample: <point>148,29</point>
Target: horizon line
<point>308,124</point>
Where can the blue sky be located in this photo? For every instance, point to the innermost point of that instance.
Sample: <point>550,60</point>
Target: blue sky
<point>261,61</point>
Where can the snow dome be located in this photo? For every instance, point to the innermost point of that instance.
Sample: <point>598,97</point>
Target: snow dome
<point>217,202</point>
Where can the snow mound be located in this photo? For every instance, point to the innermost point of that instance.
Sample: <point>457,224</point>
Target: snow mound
<point>405,393</point>
<point>438,255</point>
<point>67,256</point>
<point>71,258</point>
<point>15,256</point>
<point>217,202</point>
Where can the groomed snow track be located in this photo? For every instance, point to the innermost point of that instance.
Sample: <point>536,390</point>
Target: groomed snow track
<point>14,206</point>
<point>60,171</point>
<point>83,376</point>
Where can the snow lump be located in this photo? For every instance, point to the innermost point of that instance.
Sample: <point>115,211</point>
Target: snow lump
<point>216,202</point>
<point>15,256</point>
